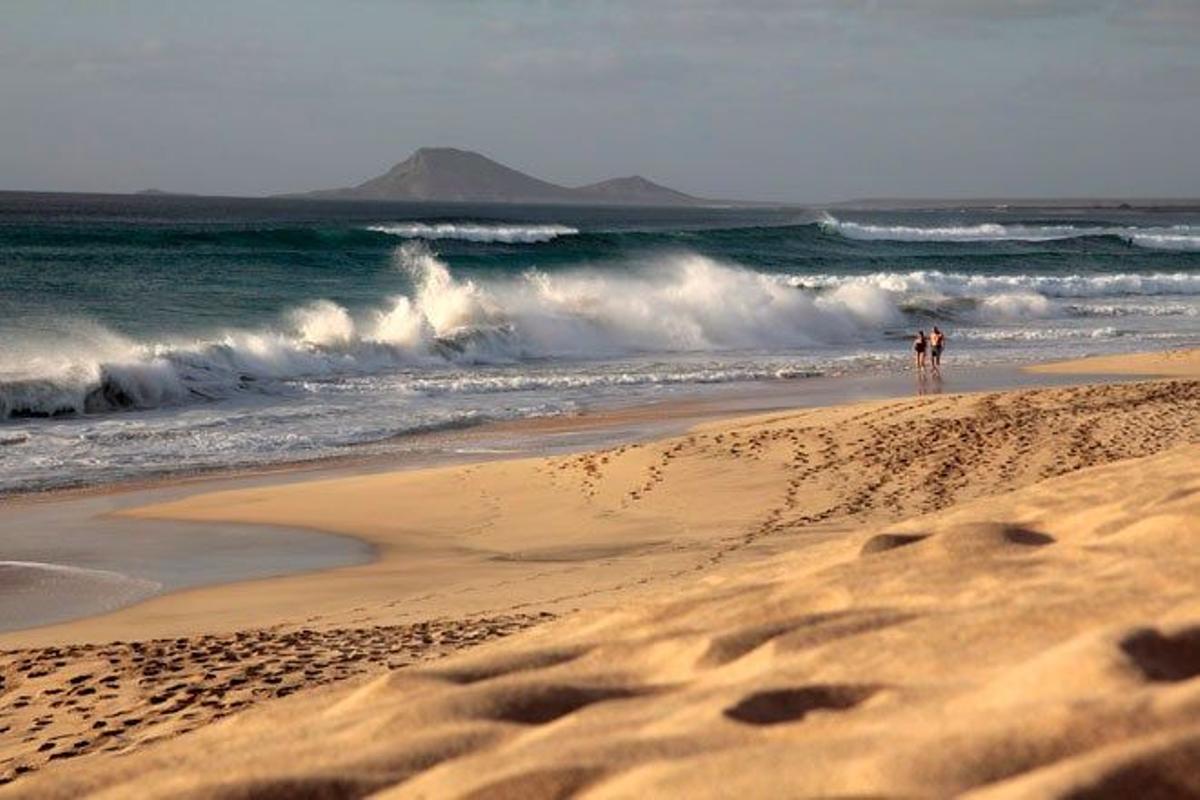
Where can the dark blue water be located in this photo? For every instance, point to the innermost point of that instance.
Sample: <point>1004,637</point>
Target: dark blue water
<point>141,333</point>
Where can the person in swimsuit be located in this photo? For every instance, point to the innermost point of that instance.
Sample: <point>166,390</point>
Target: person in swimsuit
<point>937,341</point>
<point>919,345</point>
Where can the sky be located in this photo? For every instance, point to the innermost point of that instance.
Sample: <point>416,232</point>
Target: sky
<point>800,101</point>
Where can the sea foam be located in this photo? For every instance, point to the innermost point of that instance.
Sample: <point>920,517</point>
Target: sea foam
<point>509,234</point>
<point>1176,237</point>
<point>675,303</point>
<point>662,303</point>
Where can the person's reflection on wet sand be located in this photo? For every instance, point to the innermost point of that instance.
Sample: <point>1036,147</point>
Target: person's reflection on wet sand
<point>929,383</point>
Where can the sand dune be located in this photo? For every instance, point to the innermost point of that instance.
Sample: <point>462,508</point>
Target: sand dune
<point>993,593</point>
<point>1006,645</point>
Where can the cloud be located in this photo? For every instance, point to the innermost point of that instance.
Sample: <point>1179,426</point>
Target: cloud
<point>723,97</point>
<point>1159,21</point>
<point>592,66</point>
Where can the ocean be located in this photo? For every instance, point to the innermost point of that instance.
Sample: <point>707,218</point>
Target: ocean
<point>143,335</point>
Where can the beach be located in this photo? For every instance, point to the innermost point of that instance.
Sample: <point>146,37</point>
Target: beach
<point>356,331</point>
<point>494,401</point>
<point>990,591</point>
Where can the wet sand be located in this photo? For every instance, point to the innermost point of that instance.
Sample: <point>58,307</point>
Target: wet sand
<point>88,561</point>
<point>879,589</point>
<point>93,561</point>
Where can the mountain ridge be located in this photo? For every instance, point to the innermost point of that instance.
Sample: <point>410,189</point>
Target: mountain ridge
<point>450,174</point>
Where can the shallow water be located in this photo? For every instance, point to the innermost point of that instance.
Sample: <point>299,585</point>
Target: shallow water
<point>67,558</point>
<point>74,559</point>
<point>148,335</point>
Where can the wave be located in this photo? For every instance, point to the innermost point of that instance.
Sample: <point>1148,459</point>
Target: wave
<point>279,237</point>
<point>679,303</point>
<point>663,304</point>
<point>1062,335</point>
<point>28,575</point>
<point>575,381</point>
<point>1176,237</point>
<point>39,593</point>
<point>747,242</point>
<point>963,284</point>
<point>1187,242</point>
<point>508,234</point>
<point>1092,309</point>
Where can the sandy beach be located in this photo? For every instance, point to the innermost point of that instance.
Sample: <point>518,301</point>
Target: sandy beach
<point>991,592</point>
<point>531,401</point>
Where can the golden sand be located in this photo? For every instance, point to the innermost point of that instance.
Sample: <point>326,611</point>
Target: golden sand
<point>994,592</point>
<point>1167,363</point>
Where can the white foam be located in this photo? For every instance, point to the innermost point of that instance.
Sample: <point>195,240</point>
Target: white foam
<point>681,302</point>
<point>1187,242</point>
<point>38,593</point>
<point>1177,237</point>
<point>672,304</point>
<point>669,304</point>
<point>962,284</point>
<point>508,234</point>
<point>324,323</point>
<point>1101,309</point>
<point>1015,305</point>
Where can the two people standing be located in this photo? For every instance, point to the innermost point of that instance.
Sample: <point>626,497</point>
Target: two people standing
<point>934,344</point>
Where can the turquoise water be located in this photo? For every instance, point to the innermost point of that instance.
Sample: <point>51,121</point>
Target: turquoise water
<point>148,334</point>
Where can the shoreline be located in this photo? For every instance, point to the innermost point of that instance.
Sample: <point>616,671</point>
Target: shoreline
<point>709,572</point>
<point>315,550</point>
<point>703,555</point>
<point>652,417</point>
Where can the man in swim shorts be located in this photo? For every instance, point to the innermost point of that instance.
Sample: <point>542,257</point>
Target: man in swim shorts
<point>937,342</point>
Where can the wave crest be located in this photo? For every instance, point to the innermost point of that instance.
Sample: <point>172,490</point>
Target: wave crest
<point>680,303</point>
<point>965,284</point>
<point>1176,237</point>
<point>507,234</point>
<point>677,303</point>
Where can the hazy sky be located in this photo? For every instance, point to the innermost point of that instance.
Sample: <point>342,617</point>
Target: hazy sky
<point>806,100</point>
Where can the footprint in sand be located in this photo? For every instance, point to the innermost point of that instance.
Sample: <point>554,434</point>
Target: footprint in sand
<point>792,705</point>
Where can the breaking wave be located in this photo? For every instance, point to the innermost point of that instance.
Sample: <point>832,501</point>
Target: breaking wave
<point>680,303</point>
<point>508,234</point>
<point>666,303</point>
<point>962,284</point>
<point>1175,237</point>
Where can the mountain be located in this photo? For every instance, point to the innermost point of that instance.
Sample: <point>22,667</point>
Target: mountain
<point>450,174</point>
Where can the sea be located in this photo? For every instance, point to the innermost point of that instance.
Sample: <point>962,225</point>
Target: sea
<point>143,335</point>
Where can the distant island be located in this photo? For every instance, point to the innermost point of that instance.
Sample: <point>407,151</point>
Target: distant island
<point>447,174</point>
<point>163,193</point>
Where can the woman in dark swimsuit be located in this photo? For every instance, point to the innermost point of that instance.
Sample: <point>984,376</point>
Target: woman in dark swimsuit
<point>919,345</point>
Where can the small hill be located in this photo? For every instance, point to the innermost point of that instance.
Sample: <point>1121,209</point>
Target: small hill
<point>451,175</point>
<point>635,190</point>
